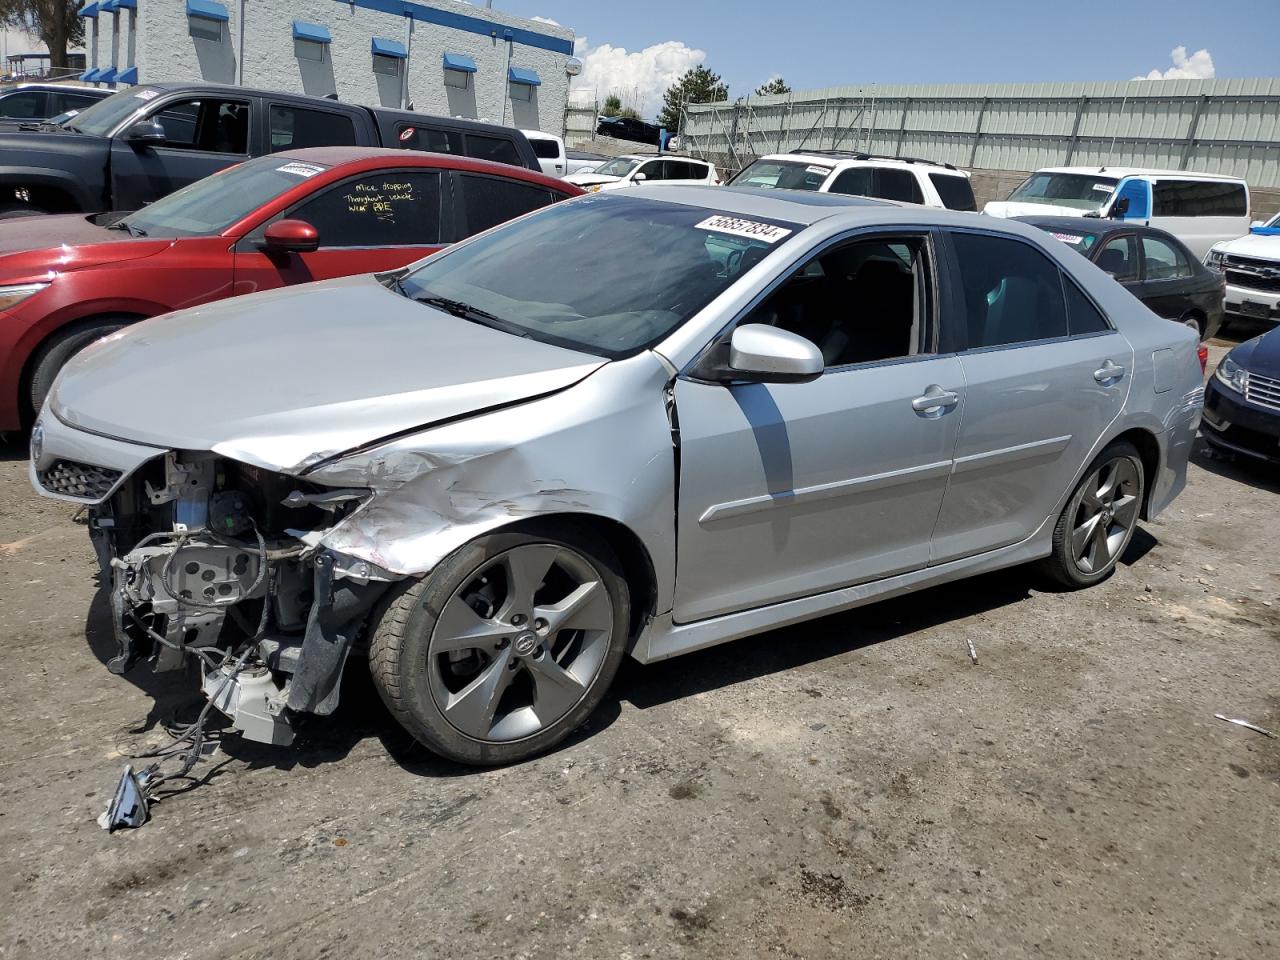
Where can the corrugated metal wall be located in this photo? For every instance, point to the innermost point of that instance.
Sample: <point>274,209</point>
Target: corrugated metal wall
<point>1213,126</point>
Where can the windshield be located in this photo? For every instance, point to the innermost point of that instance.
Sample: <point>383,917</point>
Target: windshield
<point>617,168</point>
<point>1083,191</point>
<point>105,115</point>
<point>783,175</point>
<point>209,206</point>
<point>602,274</point>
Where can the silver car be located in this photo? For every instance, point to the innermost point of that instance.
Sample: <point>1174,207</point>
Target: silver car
<point>636,423</point>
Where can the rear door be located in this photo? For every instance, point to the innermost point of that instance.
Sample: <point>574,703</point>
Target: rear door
<point>203,134</point>
<point>686,172</point>
<point>482,201</point>
<point>1045,375</point>
<point>291,126</point>
<point>1168,277</point>
<point>367,223</point>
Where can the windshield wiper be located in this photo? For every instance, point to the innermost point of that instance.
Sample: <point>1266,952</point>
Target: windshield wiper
<point>459,309</point>
<point>133,231</point>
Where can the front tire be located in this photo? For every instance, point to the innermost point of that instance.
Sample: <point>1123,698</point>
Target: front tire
<point>1099,519</point>
<point>506,647</point>
<point>61,347</point>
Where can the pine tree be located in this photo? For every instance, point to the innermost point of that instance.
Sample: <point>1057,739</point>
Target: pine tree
<point>698,85</point>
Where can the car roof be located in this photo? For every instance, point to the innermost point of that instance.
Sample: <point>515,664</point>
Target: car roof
<point>1121,172</point>
<point>52,87</point>
<point>394,157</point>
<point>1097,227</point>
<point>838,158</point>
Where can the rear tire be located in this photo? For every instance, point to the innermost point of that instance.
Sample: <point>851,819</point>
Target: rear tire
<point>506,646</point>
<point>61,347</point>
<point>1099,519</point>
<point>1194,322</point>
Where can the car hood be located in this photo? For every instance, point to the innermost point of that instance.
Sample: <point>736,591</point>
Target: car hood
<point>1253,245</point>
<point>590,179</point>
<point>288,378</point>
<point>31,246</point>
<point>1007,208</point>
<point>1260,355</point>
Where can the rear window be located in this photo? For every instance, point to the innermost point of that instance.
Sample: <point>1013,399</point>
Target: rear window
<point>545,149</point>
<point>956,192</point>
<point>1199,198</point>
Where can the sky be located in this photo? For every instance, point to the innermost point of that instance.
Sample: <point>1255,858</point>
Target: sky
<point>637,46</point>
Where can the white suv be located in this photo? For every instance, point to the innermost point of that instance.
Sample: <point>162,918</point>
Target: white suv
<point>647,168</point>
<point>1250,265</point>
<point>906,179</point>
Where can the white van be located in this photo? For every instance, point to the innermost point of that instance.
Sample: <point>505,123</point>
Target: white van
<point>549,149</point>
<point>1200,209</point>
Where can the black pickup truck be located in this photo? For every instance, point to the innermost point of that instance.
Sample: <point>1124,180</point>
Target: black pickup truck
<point>147,141</point>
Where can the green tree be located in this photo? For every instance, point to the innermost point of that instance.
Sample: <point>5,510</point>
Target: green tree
<point>774,87</point>
<point>698,85</point>
<point>612,106</point>
<point>53,21</point>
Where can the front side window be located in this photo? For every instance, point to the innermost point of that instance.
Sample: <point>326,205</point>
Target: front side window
<point>496,149</point>
<point>209,206</point>
<point>1163,261</point>
<point>396,208</point>
<point>955,192</point>
<point>619,167</point>
<point>1081,191</point>
<point>1012,292</point>
<point>1199,198</point>
<point>783,175</point>
<point>859,302</point>
<point>293,128</point>
<point>1119,257</point>
<point>856,181</point>
<point>62,102</point>
<point>489,201</point>
<point>24,105</point>
<point>609,274</point>
<point>653,170</point>
<point>216,126</point>
<point>896,184</point>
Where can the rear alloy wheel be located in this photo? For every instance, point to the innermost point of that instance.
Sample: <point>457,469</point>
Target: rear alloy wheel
<point>1099,520</point>
<point>506,647</point>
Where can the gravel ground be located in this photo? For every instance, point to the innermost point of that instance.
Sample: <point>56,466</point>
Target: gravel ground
<point>850,787</point>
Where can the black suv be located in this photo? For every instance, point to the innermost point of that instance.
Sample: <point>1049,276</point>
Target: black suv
<point>36,102</point>
<point>147,141</point>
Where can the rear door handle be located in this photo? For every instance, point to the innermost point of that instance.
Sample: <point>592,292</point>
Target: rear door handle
<point>1109,372</point>
<point>935,401</point>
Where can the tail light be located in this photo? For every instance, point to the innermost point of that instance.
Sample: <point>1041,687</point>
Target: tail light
<point>1203,354</point>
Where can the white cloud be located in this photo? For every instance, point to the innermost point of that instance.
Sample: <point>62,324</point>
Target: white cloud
<point>1198,66</point>
<point>554,23</point>
<point>639,79</point>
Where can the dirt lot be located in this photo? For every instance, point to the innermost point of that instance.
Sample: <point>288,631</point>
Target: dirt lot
<point>854,787</point>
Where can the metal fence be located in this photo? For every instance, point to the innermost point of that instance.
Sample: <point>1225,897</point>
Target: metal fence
<point>1211,126</point>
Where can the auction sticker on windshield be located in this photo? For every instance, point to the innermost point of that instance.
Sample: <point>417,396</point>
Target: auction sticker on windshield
<point>300,169</point>
<point>146,94</point>
<point>738,227</point>
<point>1071,238</point>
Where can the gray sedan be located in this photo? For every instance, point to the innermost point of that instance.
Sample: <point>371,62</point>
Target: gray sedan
<point>640,423</point>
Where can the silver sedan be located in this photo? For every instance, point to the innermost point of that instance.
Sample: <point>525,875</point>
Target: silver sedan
<point>634,424</point>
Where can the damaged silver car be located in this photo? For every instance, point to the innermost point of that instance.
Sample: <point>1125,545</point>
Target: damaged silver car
<point>624,425</point>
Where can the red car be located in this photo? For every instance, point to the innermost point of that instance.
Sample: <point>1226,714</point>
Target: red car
<point>280,219</point>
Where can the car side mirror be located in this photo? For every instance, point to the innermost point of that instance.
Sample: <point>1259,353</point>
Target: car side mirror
<point>640,177</point>
<point>146,131</point>
<point>1119,209</point>
<point>291,236</point>
<point>765,354</point>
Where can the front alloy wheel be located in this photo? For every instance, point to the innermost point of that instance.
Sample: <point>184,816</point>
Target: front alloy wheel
<point>506,647</point>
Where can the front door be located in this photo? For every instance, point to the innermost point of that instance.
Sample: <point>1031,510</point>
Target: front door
<point>1045,375</point>
<point>367,223</point>
<point>789,490</point>
<point>202,136</point>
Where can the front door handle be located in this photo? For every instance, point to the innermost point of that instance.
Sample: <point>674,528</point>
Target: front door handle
<point>1109,372</point>
<point>935,401</point>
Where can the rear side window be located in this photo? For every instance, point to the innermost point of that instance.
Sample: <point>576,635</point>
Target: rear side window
<point>431,140</point>
<point>1198,198</point>
<point>685,170</point>
<point>293,128</point>
<point>62,102</point>
<point>1163,261</point>
<point>24,105</point>
<point>1082,316</point>
<point>489,201</point>
<point>895,184</point>
<point>956,192</point>
<point>493,148</point>
<point>545,149</point>
<point>1012,292</point>
<point>396,208</point>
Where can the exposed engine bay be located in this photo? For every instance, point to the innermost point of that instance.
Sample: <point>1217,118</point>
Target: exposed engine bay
<point>218,560</point>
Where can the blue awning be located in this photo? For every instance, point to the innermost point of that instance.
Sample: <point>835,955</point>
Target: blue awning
<point>127,76</point>
<point>311,31</point>
<point>383,47</point>
<point>209,9</point>
<point>126,4</point>
<point>107,6</point>
<point>107,75</point>
<point>88,74</point>
<point>89,10</point>
<point>94,75</point>
<point>521,75</point>
<point>459,61</point>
